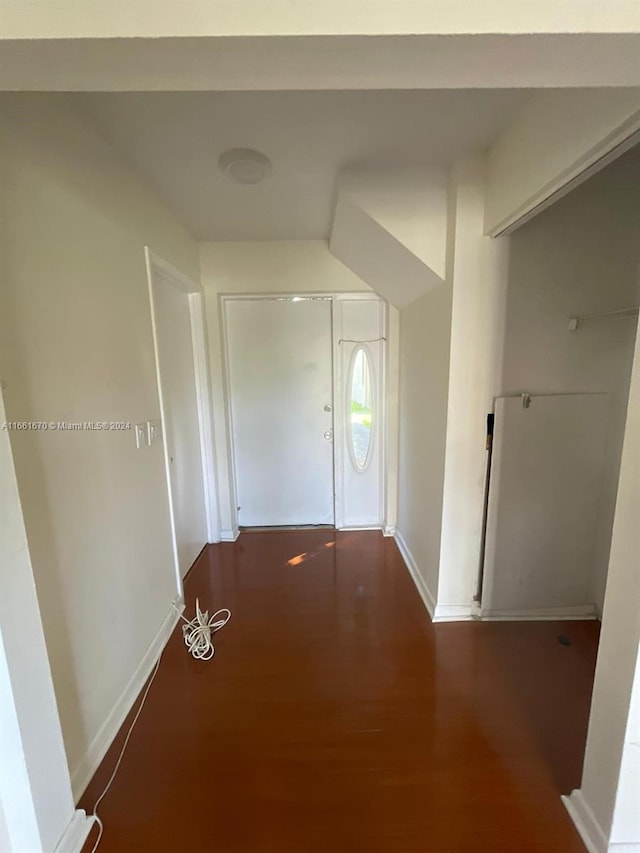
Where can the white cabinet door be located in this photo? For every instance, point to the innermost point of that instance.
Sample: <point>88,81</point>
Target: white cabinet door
<point>546,477</point>
<point>281,400</point>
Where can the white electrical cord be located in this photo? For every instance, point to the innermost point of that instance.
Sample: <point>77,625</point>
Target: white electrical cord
<point>198,632</point>
<point>197,638</point>
<point>120,757</point>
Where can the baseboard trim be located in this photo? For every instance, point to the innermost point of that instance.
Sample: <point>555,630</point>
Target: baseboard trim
<point>453,613</point>
<point>76,833</point>
<point>624,847</point>
<point>389,530</point>
<point>542,614</point>
<point>585,822</point>
<point>82,774</point>
<point>412,566</point>
<point>229,535</point>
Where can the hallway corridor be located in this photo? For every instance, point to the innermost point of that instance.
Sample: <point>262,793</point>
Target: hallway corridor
<point>335,717</point>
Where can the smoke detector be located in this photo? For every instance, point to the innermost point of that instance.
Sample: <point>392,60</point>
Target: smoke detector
<point>244,165</point>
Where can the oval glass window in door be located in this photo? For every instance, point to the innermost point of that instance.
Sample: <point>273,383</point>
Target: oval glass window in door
<point>360,408</point>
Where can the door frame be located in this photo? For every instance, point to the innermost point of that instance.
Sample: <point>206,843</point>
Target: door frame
<point>389,408</point>
<point>156,265</point>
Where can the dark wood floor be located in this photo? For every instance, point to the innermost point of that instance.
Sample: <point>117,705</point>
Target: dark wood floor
<point>335,716</point>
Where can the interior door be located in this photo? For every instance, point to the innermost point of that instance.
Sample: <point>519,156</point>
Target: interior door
<point>180,418</point>
<point>281,397</point>
<point>545,484</point>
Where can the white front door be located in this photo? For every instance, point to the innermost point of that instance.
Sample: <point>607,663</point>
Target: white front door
<point>281,399</point>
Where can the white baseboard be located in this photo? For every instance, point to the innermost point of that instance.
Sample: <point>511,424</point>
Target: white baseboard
<point>624,847</point>
<point>585,822</point>
<point>453,613</point>
<point>389,530</point>
<point>76,833</point>
<point>229,535</point>
<point>423,589</point>
<point>82,774</point>
<point>542,614</point>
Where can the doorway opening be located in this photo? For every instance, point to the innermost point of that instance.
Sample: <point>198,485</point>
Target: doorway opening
<point>185,427</point>
<point>305,389</point>
<point>570,326</point>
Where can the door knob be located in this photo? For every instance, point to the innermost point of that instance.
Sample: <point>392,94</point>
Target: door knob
<point>328,434</point>
<point>327,408</point>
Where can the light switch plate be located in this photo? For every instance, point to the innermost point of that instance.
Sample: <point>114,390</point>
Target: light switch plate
<point>154,431</point>
<point>141,435</point>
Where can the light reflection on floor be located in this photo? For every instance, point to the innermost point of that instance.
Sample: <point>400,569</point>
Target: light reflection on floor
<point>305,556</point>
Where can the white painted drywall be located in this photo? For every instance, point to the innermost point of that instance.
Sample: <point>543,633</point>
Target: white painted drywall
<point>579,257</point>
<point>425,332</point>
<point>302,266</point>
<point>317,62</point>
<point>620,637</point>
<point>378,256</point>
<point>36,805</point>
<point>390,228</point>
<point>554,137</point>
<point>478,276</point>
<point>5,841</point>
<point>626,817</point>
<point>76,345</point>
<point>146,18</point>
<point>411,204</point>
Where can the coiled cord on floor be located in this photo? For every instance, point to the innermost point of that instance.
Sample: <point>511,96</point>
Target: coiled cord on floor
<point>197,635</point>
<point>199,631</point>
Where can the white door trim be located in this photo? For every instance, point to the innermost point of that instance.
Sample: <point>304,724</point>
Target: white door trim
<point>157,265</point>
<point>391,423</point>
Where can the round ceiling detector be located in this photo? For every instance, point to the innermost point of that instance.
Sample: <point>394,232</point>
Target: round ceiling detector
<point>244,165</point>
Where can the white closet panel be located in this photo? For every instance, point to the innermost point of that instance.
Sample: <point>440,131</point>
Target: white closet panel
<point>546,478</point>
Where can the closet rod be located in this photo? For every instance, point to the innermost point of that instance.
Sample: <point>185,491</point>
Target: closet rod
<point>574,322</point>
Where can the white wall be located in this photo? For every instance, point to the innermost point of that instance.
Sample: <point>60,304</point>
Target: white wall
<point>554,137</point>
<point>390,228</point>
<point>76,345</point>
<point>5,841</point>
<point>425,332</point>
<point>303,266</point>
<point>410,203</point>
<point>36,806</point>
<point>626,818</point>
<point>579,257</point>
<point>613,687</point>
<point>478,274</point>
<point>146,18</point>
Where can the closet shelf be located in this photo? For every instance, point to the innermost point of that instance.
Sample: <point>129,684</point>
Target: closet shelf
<point>575,322</point>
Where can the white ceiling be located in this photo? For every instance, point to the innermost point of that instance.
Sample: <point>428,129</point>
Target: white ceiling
<point>174,140</point>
